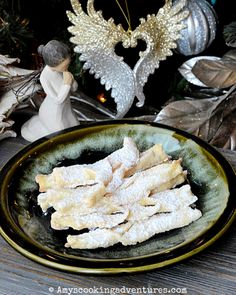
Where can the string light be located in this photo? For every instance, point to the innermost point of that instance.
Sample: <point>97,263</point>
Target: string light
<point>101,97</point>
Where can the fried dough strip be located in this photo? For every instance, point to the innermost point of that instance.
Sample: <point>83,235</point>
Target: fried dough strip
<point>131,234</point>
<point>72,176</point>
<point>75,175</point>
<point>175,199</point>
<point>84,196</point>
<point>102,206</point>
<point>101,237</point>
<point>159,223</point>
<point>138,212</point>
<point>160,177</point>
<point>171,183</point>
<point>94,239</point>
<point>61,221</point>
<point>117,180</point>
<point>152,157</point>
<point>149,158</point>
<point>127,156</point>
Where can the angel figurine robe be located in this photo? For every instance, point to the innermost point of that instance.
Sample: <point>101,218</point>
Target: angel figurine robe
<point>55,112</point>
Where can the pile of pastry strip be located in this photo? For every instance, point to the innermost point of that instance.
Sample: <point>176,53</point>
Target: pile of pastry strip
<point>127,197</point>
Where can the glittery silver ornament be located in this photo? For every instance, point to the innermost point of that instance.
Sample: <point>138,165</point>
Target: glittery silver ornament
<point>200,28</point>
<point>96,38</point>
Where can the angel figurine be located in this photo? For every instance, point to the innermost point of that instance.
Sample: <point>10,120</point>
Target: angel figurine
<point>55,112</point>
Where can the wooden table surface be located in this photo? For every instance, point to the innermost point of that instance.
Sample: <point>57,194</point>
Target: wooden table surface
<point>212,271</point>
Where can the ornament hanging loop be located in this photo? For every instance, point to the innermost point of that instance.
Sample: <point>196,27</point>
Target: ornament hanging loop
<point>127,17</point>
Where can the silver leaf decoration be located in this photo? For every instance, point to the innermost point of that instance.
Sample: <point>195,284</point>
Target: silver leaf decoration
<point>186,69</point>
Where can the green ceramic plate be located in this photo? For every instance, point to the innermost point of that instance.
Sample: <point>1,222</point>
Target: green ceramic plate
<point>28,230</point>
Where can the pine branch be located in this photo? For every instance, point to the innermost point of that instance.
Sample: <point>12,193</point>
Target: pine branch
<point>229,33</point>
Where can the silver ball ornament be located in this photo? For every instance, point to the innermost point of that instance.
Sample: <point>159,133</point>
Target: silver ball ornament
<point>200,28</point>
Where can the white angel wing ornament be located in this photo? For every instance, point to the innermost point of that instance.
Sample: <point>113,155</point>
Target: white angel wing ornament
<point>160,32</point>
<point>96,38</point>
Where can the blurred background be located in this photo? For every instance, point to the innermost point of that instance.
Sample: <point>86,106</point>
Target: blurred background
<point>25,24</point>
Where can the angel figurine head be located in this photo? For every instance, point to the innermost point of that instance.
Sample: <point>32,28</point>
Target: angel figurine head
<point>56,55</point>
<point>55,112</point>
